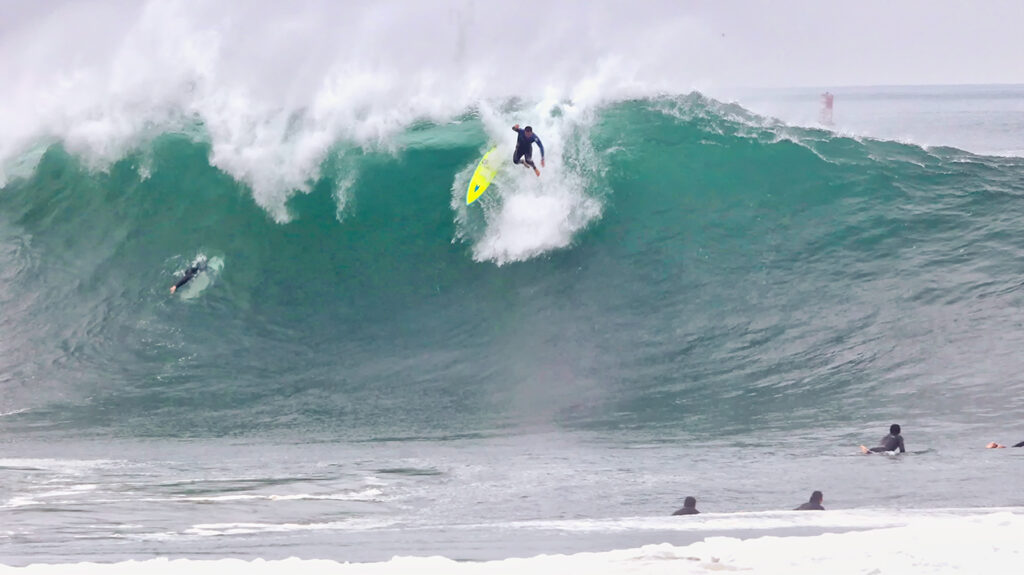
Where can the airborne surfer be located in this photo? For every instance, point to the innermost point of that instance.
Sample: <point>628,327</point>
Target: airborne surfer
<point>891,442</point>
<point>191,272</point>
<point>524,148</point>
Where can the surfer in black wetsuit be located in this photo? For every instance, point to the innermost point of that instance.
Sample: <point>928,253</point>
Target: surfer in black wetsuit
<point>198,266</point>
<point>524,148</point>
<point>813,504</point>
<point>689,507</point>
<point>891,442</point>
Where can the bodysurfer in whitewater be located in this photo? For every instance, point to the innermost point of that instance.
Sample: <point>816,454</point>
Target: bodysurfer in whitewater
<point>191,272</point>
<point>524,148</point>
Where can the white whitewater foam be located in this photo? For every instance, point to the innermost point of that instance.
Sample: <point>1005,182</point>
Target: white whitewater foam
<point>49,496</point>
<point>73,467</point>
<point>989,543</point>
<point>275,87</point>
<point>218,529</point>
<point>368,494</point>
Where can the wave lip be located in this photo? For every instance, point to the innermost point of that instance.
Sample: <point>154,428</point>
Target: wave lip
<point>274,92</point>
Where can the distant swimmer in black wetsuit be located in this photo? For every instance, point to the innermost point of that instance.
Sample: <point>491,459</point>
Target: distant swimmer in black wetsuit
<point>191,272</point>
<point>689,507</point>
<point>814,504</point>
<point>995,445</point>
<point>524,148</point>
<point>891,442</point>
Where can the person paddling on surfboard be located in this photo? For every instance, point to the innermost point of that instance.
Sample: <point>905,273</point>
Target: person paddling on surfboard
<point>191,272</point>
<point>524,148</point>
<point>891,442</point>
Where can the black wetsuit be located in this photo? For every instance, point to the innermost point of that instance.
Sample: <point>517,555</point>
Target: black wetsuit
<point>1021,444</point>
<point>687,511</point>
<point>890,443</point>
<point>524,148</point>
<point>190,273</point>
<point>810,506</point>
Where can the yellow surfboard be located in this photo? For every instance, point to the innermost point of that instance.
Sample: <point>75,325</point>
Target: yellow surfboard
<point>483,175</point>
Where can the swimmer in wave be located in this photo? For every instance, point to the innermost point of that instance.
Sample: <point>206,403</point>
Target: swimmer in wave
<point>198,266</point>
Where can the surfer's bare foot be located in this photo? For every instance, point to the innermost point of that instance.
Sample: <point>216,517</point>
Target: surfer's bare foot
<point>536,171</point>
<point>864,449</point>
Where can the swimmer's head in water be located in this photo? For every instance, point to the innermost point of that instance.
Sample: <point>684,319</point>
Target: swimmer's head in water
<point>894,429</point>
<point>817,497</point>
<point>690,502</point>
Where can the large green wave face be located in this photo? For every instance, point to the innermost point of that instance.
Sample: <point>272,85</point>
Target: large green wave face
<point>681,266</point>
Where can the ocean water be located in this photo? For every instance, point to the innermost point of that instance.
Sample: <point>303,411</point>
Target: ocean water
<point>703,294</point>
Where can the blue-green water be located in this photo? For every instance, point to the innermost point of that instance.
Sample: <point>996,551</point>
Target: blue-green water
<point>692,299</point>
<point>706,293</point>
<point>734,278</point>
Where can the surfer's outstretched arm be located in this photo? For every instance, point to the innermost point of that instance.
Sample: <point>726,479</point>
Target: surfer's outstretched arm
<point>994,445</point>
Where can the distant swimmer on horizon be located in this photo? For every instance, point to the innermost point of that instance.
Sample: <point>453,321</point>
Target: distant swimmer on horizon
<point>191,272</point>
<point>813,504</point>
<point>994,445</point>
<point>689,507</point>
<point>524,148</point>
<point>891,442</point>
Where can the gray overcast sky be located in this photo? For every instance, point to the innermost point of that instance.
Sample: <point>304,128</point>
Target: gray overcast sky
<point>868,41</point>
<point>703,42</point>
